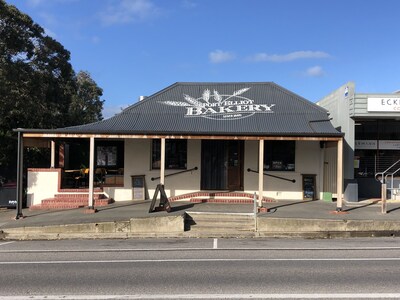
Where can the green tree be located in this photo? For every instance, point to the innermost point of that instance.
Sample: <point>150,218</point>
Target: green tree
<point>86,105</point>
<point>38,86</point>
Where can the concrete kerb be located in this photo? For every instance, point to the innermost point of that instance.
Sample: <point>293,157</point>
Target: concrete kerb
<point>317,228</point>
<point>174,226</point>
<point>165,226</point>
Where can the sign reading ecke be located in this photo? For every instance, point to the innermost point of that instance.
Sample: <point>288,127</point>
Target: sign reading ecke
<point>221,107</point>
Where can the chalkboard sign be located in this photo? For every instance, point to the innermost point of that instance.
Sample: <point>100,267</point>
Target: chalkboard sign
<point>139,186</point>
<point>138,182</point>
<point>164,204</point>
<point>309,191</point>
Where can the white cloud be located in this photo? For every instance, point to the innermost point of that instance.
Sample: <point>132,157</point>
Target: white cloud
<point>127,11</point>
<point>260,57</point>
<point>315,71</point>
<point>219,56</point>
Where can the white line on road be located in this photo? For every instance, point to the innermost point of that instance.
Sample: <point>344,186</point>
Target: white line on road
<point>194,249</point>
<point>195,260</point>
<point>211,296</point>
<point>6,243</point>
<point>215,245</point>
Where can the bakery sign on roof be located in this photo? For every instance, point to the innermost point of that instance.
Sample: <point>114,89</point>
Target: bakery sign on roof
<point>221,106</point>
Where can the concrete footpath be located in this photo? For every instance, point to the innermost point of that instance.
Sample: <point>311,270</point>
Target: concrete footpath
<point>312,219</point>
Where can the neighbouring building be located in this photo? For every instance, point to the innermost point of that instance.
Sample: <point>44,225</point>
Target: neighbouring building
<point>371,124</point>
<point>192,137</point>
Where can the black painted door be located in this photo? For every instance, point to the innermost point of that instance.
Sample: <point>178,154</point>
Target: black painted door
<point>221,165</point>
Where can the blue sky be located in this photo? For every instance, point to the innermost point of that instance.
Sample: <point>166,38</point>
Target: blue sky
<point>311,47</point>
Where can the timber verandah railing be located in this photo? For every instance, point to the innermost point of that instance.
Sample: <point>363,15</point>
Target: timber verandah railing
<point>274,176</point>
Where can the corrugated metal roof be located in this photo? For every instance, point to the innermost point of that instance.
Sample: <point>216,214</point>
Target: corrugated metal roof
<point>241,108</point>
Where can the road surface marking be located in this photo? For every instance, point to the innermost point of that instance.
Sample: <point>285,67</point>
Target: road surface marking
<point>192,249</point>
<point>215,245</point>
<point>6,243</point>
<point>211,296</point>
<point>195,260</point>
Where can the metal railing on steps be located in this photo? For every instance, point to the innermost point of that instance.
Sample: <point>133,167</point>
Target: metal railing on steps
<point>382,178</point>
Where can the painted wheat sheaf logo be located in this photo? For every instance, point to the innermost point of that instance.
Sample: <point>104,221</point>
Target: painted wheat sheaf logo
<point>213,105</point>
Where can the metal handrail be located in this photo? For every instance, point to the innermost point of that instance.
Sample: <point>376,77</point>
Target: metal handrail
<point>391,175</point>
<point>180,172</point>
<point>274,176</point>
<point>382,174</point>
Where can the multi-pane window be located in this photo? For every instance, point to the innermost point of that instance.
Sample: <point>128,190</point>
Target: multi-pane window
<point>106,156</point>
<point>175,154</point>
<point>279,155</point>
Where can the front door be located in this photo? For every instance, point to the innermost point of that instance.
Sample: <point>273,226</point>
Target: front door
<point>222,165</point>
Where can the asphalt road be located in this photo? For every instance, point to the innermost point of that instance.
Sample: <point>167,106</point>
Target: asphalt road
<point>201,269</point>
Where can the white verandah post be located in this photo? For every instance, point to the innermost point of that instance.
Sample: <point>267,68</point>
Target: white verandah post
<point>162,166</point>
<point>20,169</point>
<point>53,154</point>
<point>260,172</point>
<point>91,173</point>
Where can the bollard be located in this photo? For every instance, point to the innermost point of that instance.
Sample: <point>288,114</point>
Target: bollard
<point>255,204</point>
<point>384,197</point>
<point>255,211</point>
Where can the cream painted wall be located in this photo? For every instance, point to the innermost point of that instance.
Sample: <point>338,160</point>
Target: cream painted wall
<point>41,185</point>
<point>138,162</point>
<point>308,161</point>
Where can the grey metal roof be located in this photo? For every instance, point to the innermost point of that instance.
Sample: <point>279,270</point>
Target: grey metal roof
<point>240,108</point>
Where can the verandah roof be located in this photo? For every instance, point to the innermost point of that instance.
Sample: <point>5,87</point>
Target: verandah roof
<point>241,109</point>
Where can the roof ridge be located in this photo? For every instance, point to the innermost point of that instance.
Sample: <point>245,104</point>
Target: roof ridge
<point>222,82</point>
<point>147,98</point>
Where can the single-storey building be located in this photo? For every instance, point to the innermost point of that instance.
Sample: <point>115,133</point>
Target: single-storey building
<point>196,137</point>
<point>371,124</point>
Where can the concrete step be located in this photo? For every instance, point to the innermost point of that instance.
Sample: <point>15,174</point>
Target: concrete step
<point>234,217</point>
<point>221,227</point>
<point>219,232</point>
<point>220,222</point>
<point>224,227</point>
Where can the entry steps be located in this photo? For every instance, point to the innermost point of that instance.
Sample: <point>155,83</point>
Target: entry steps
<point>213,224</point>
<point>219,197</point>
<point>71,200</point>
